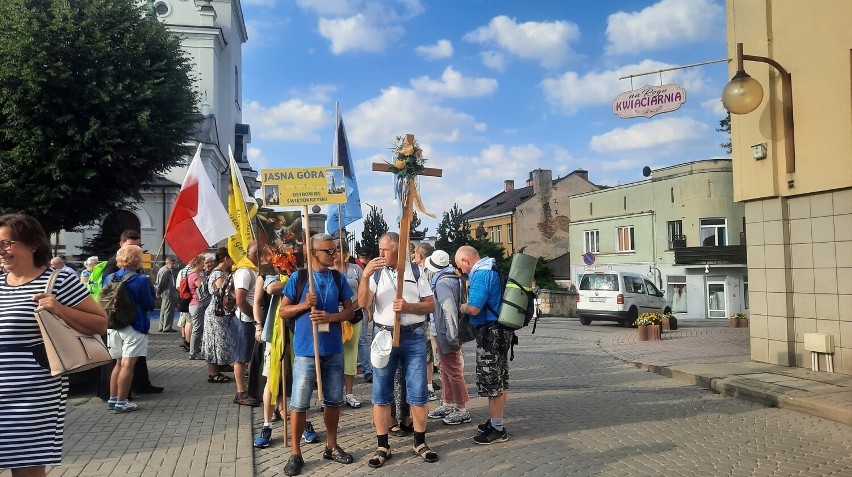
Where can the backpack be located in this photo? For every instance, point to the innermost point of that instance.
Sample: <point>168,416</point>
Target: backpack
<point>415,270</point>
<point>528,312</point>
<point>302,280</point>
<point>466,330</point>
<point>116,302</point>
<point>185,294</point>
<point>203,290</point>
<point>95,283</point>
<point>225,298</point>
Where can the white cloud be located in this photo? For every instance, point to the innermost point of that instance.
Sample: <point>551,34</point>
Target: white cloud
<point>714,106</point>
<point>256,158</point>
<point>440,50</point>
<point>326,7</point>
<point>660,133</point>
<point>291,120</point>
<point>400,110</point>
<point>357,33</point>
<point>665,24</point>
<point>570,91</point>
<point>316,93</point>
<point>545,42</point>
<point>454,84</point>
<point>494,60</point>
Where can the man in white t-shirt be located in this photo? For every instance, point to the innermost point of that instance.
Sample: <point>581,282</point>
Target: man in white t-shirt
<point>242,324</point>
<point>415,304</point>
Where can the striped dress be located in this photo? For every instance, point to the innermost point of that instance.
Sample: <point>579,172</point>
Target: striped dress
<point>32,402</point>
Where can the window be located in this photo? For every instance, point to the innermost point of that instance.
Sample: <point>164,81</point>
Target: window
<point>674,231</point>
<point>676,293</point>
<point>495,233</point>
<point>590,241</point>
<point>651,288</point>
<point>714,232</point>
<point>510,233</point>
<point>237,86</point>
<point>625,239</point>
<point>634,285</point>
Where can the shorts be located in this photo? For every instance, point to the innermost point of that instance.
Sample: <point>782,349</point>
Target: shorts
<point>267,354</point>
<point>492,362</point>
<point>185,319</point>
<point>127,343</point>
<point>242,340</point>
<point>304,379</point>
<point>411,356</point>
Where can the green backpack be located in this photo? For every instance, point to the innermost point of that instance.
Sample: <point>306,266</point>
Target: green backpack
<point>95,283</point>
<point>116,302</point>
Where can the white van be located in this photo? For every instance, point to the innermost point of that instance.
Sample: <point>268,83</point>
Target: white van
<point>617,296</point>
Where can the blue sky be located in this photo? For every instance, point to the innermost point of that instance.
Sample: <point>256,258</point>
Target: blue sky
<point>492,89</point>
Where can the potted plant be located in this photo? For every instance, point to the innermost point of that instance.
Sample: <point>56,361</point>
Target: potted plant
<point>669,322</point>
<point>649,326</point>
<point>738,320</point>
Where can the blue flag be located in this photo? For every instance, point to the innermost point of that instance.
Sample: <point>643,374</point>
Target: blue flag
<point>341,157</point>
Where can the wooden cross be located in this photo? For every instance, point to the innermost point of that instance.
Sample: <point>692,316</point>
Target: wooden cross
<point>404,228</point>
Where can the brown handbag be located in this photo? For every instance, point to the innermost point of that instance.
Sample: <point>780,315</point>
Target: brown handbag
<point>68,350</point>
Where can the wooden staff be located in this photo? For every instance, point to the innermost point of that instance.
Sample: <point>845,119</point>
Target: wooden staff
<point>309,271</point>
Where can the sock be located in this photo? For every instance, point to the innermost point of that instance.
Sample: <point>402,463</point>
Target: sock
<point>419,438</point>
<point>112,399</point>
<point>383,441</point>
<point>266,424</point>
<point>431,388</point>
<point>119,404</point>
<point>497,424</point>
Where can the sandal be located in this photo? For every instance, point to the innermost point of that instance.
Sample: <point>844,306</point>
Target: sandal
<point>338,455</point>
<point>425,452</point>
<point>382,455</point>
<point>243,399</point>
<point>402,430</point>
<point>218,378</point>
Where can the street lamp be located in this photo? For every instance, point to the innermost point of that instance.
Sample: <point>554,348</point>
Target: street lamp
<point>743,94</point>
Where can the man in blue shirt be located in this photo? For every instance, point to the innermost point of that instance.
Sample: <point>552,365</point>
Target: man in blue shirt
<point>322,307</point>
<point>493,340</point>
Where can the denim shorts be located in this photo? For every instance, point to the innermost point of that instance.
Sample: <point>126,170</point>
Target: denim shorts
<point>411,356</point>
<point>242,336</point>
<point>304,379</point>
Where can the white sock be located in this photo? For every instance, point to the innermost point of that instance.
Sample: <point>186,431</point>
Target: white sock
<point>266,424</point>
<point>431,388</point>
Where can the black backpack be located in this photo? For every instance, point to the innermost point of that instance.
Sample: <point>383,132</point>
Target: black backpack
<point>116,302</point>
<point>225,298</point>
<point>415,270</point>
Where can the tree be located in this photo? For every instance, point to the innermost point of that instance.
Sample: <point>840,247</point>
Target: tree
<point>374,227</point>
<point>725,127</point>
<point>453,231</point>
<point>95,99</point>
<point>415,222</point>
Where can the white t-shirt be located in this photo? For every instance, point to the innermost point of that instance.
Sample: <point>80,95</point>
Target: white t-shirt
<point>412,292</point>
<point>245,278</point>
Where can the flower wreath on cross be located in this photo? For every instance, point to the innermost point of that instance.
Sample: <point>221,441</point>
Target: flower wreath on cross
<point>408,158</point>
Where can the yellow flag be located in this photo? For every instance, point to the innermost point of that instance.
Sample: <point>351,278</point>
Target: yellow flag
<point>241,207</point>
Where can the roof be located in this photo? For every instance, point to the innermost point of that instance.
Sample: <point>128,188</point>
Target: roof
<point>159,181</point>
<point>502,203</point>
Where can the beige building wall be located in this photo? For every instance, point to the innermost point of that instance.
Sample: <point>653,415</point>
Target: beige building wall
<point>799,224</point>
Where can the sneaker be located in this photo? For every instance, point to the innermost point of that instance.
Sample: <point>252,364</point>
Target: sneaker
<point>441,412</point>
<point>294,465</point>
<point>110,405</point>
<point>128,407</point>
<point>433,396</point>
<point>492,436</point>
<point>485,426</point>
<point>368,378</point>
<point>262,441</point>
<point>309,435</point>
<point>457,417</point>
<point>352,401</point>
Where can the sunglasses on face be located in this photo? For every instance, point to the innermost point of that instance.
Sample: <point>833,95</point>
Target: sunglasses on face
<point>329,251</point>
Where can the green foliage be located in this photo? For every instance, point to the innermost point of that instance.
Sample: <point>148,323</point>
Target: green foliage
<point>95,100</point>
<point>453,231</point>
<point>544,276</point>
<point>374,227</point>
<point>487,248</point>
<point>725,127</point>
<point>415,222</point>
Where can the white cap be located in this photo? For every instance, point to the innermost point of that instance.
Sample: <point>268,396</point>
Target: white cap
<point>380,349</point>
<point>439,260</point>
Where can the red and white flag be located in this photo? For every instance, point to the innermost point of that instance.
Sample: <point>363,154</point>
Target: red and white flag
<point>198,219</point>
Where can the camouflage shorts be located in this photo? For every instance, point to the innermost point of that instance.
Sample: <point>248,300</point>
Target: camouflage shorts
<point>492,363</point>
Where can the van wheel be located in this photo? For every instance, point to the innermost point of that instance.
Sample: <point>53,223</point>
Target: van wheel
<point>631,318</point>
<point>585,321</point>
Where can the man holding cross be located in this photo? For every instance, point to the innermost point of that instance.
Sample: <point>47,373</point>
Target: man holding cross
<point>380,283</point>
<point>310,309</point>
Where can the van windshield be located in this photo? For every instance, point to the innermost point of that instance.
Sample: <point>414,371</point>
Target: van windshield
<point>599,282</point>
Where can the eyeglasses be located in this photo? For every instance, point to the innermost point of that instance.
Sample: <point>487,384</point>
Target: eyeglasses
<point>329,251</point>
<point>7,244</point>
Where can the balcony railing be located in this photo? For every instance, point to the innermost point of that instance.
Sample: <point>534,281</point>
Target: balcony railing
<point>709,255</point>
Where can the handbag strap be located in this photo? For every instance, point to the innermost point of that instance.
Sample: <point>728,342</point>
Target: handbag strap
<point>48,289</point>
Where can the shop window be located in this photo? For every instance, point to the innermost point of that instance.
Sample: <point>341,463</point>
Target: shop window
<point>676,293</point>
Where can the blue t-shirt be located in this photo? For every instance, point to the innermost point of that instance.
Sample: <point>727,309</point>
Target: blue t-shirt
<point>484,289</point>
<point>327,300</point>
<point>141,293</point>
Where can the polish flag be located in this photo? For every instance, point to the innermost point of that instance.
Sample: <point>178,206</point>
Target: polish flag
<point>198,219</point>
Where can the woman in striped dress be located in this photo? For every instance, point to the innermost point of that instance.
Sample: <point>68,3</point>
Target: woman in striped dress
<point>32,402</point>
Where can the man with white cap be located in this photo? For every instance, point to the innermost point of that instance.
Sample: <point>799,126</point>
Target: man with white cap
<point>379,283</point>
<point>445,284</point>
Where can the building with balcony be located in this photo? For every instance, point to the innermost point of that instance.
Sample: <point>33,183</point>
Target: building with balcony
<point>534,217</point>
<point>793,172</point>
<point>681,228</point>
<point>212,34</point>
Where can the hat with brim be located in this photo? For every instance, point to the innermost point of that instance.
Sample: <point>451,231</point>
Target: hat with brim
<point>439,260</point>
<point>380,349</point>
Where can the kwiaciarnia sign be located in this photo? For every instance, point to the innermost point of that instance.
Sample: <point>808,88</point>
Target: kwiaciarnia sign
<point>648,101</point>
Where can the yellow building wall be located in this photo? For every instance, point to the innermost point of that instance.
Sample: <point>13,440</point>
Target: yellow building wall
<point>811,40</point>
<point>502,221</point>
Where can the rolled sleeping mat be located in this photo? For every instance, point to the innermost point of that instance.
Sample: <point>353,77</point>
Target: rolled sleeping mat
<point>515,300</point>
